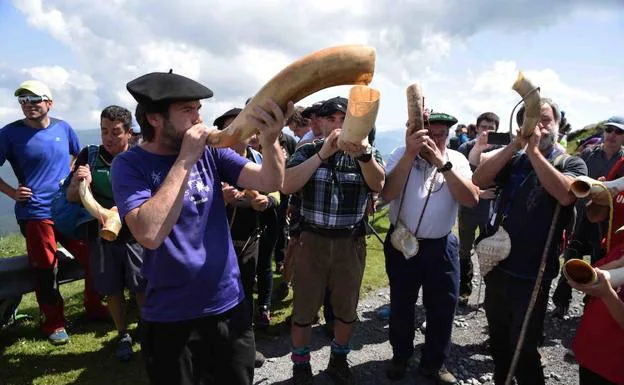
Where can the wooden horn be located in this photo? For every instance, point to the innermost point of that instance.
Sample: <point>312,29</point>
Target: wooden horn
<point>111,223</point>
<point>335,66</point>
<point>360,118</point>
<point>580,272</point>
<point>532,107</point>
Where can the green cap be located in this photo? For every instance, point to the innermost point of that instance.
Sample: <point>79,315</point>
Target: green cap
<point>441,117</point>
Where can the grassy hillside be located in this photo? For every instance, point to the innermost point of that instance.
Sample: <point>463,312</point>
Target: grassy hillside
<point>27,358</point>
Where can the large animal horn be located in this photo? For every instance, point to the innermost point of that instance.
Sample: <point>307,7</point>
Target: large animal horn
<point>415,112</point>
<point>360,118</point>
<point>111,223</point>
<point>531,97</point>
<point>350,64</point>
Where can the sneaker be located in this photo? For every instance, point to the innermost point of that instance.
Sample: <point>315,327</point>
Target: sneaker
<point>339,371</point>
<point>396,370</point>
<point>259,361</point>
<point>560,312</point>
<point>59,337</point>
<point>384,313</point>
<point>263,318</point>
<point>463,299</point>
<point>302,374</point>
<point>124,348</point>
<point>441,376</point>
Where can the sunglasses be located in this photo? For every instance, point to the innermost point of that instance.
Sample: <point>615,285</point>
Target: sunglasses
<point>610,129</point>
<point>32,99</point>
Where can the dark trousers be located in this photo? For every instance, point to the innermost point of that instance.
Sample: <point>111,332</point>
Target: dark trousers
<point>264,271</point>
<point>587,377</point>
<point>467,225</point>
<point>506,301</point>
<point>247,260</point>
<point>210,350</point>
<point>436,269</point>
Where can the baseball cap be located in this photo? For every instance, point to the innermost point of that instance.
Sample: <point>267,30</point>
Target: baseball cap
<point>34,86</point>
<point>615,121</point>
<point>313,109</point>
<point>333,105</point>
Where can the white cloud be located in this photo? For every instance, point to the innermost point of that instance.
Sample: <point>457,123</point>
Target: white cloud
<point>235,46</point>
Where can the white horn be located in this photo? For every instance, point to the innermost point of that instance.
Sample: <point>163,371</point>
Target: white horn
<point>532,107</point>
<point>360,118</point>
<point>111,223</point>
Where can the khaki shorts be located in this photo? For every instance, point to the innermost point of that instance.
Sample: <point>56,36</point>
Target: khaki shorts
<point>322,262</point>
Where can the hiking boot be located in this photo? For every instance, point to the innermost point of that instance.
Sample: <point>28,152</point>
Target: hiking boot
<point>560,311</point>
<point>124,348</point>
<point>441,376</point>
<point>259,360</point>
<point>463,299</point>
<point>396,370</point>
<point>339,371</point>
<point>263,318</point>
<point>302,374</point>
<point>59,337</point>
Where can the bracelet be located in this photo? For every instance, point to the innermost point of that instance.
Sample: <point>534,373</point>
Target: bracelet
<point>319,155</point>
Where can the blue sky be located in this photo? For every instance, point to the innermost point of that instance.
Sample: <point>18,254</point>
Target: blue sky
<point>575,55</point>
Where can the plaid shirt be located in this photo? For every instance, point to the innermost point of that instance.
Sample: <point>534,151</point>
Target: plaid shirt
<point>335,196</point>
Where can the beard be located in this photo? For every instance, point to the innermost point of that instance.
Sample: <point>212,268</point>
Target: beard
<point>547,141</point>
<point>172,138</point>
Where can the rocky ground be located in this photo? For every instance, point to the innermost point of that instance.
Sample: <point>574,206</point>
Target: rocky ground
<point>371,350</point>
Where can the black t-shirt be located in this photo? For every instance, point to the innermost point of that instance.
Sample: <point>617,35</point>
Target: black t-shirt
<point>530,209</point>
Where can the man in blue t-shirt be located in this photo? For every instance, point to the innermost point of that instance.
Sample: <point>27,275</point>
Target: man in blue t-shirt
<point>533,183</point>
<point>39,149</point>
<point>197,326</point>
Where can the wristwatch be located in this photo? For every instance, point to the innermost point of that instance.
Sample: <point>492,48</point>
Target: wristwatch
<point>367,155</point>
<point>447,167</point>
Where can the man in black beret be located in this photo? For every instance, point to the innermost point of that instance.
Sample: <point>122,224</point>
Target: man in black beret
<point>197,323</point>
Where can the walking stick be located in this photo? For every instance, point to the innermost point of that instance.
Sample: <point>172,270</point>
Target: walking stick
<point>536,289</point>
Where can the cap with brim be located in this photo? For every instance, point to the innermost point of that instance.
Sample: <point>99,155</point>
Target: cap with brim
<point>35,87</point>
<point>440,117</point>
<point>313,109</point>
<point>615,121</point>
<point>333,105</point>
<point>162,89</point>
<point>218,122</point>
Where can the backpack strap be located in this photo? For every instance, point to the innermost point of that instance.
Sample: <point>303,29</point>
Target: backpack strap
<point>93,152</point>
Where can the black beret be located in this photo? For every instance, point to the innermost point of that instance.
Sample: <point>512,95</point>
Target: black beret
<point>218,122</point>
<point>333,105</point>
<point>313,109</point>
<point>162,89</point>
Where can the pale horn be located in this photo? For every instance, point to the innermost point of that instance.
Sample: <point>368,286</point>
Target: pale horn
<point>359,119</point>
<point>109,218</point>
<point>416,111</point>
<point>597,191</point>
<point>583,273</point>
<point>531,98</point>
<point>342,65</point>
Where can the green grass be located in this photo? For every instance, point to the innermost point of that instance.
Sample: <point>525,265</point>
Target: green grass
<point>27,358</point>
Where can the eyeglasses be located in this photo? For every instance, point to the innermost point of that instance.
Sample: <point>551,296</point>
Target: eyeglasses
<point>32,99</point>
<point>611,129</point>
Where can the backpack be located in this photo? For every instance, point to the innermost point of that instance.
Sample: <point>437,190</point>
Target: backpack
<point>69,216</point>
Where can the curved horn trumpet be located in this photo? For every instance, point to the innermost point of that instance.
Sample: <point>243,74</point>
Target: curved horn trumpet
<point>350,64</point>
<point>583,273</point>
<point>531,97</point>
<point>111,223</point>
<point>584,186</point>
<point>360,118</point>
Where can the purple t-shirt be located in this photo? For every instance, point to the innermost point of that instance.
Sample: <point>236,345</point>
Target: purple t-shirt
<point>194,272</point>
<point>40,159</point>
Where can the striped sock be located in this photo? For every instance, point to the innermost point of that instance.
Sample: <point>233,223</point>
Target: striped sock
<point>300,356</point>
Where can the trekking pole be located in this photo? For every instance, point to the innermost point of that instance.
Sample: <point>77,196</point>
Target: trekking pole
<point>375,233</point>
<point>536,289</point>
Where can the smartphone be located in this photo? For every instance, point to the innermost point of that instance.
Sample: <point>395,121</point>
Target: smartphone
<point>500,138</point>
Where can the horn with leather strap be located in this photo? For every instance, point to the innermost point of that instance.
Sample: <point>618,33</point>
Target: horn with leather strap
<point>109,218</point>
<point>335,66</point>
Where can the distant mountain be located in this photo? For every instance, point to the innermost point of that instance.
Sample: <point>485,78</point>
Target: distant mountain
<point>8,224</point>
<point>387,141</point>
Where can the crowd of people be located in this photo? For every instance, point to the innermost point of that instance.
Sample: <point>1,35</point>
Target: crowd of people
<point>201,227</point>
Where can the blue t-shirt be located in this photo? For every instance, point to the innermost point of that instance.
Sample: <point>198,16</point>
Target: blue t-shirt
<point>194,272</point>
<point>40,159</point>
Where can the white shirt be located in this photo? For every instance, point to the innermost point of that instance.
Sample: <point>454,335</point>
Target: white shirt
<point>307,136</point>
<point>441,211</point>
